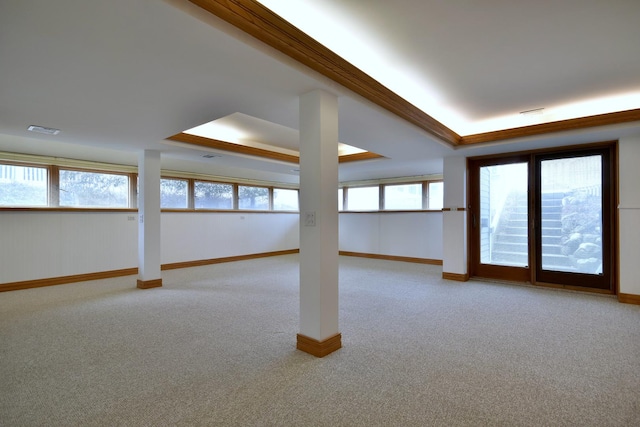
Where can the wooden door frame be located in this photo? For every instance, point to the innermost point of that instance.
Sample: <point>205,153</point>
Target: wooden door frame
<point>613,184</point>
<point>514,274</point>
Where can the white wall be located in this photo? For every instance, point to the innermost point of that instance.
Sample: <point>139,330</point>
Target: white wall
<point>196,236</point>
<point>40,244</point>
<point>46,244</point>
<point>408,234</point>
<point>629,214</point>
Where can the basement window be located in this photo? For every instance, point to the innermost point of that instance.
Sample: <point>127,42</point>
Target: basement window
<point>23,185</point>
<point>254,198</point>
<point>174,193</point>
<point>93,189</point>
<point>285,199</point>
<point>213,195</point>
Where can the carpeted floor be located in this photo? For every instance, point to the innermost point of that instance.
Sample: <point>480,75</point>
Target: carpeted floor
<point>216,346</point>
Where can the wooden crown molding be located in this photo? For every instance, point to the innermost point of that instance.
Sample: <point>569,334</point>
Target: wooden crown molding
<point>559,126</point>
<point>367,155</point>
<point>260,152</point>
<point>236,148</point>
<point>260,22</point>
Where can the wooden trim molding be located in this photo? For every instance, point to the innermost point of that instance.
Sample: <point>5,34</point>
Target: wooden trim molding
<point>201,262</point>
<point>629,298</point>
<point>28,284</point>
<point>261,23</point>
<point>260,152</point>
<point>367,155</point>
<point>573,288</point>
<point>393,211</point>
<point>455,276</point>
<point>392,258</point>
<point>559,126</point>
<point>235,148</point>
<point>148,284</point>
<point>319,348</point>
<point>58,209</point>
<point>255,19</point>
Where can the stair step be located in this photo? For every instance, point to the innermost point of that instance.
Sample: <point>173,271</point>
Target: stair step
<point>551,261</point>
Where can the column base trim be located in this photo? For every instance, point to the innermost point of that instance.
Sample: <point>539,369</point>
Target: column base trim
<point>319,348</point>
<point>148,284</point>
<point>455,276</point>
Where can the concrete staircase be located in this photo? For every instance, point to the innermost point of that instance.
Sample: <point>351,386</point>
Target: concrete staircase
<point>510,246</point>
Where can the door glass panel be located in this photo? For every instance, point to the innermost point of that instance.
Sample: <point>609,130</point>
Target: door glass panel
<point>503,219</point>
<point>571,214</point>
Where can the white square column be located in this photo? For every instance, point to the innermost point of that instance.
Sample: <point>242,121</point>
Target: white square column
<point>454,218</point>
<point>149,220</point>
<point>629,219</point>
<point>319,333</point>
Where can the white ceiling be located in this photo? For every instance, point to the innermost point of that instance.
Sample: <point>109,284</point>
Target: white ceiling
<point>119,76</point>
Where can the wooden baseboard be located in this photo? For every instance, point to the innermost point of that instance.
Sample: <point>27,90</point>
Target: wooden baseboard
<point>148,284</point>
<point>202,262</point>
<point>393,258</point>
<point>319,348</point>
<point>629,298</point>
<point>455,276</point>
<point>27,284</point>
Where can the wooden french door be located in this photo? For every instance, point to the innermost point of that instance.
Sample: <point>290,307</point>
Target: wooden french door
<point>545,218</point>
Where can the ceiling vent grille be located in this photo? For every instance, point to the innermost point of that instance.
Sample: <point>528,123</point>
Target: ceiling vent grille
<point>44,130</point>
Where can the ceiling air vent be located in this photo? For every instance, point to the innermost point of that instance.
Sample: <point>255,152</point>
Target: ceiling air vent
<point>45,130</point>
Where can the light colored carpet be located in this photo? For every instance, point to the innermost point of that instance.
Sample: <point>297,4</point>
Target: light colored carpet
<point>216,346</point>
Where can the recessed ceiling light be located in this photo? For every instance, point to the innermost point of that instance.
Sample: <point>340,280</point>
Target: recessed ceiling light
<point>43,129</point>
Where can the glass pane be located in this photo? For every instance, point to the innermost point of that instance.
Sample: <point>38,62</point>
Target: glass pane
<point>340,199</point>
<point>363,199</point>
<point>503,218</point>
<point>174,193</point>
<point>93,189</point>
<point>436,195</point>
<point>285,200</point>
<point>405,196</point>
<point>212,195</point>
<point>572,214</point>
<point>253,198</point>
<point>23,186</point>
